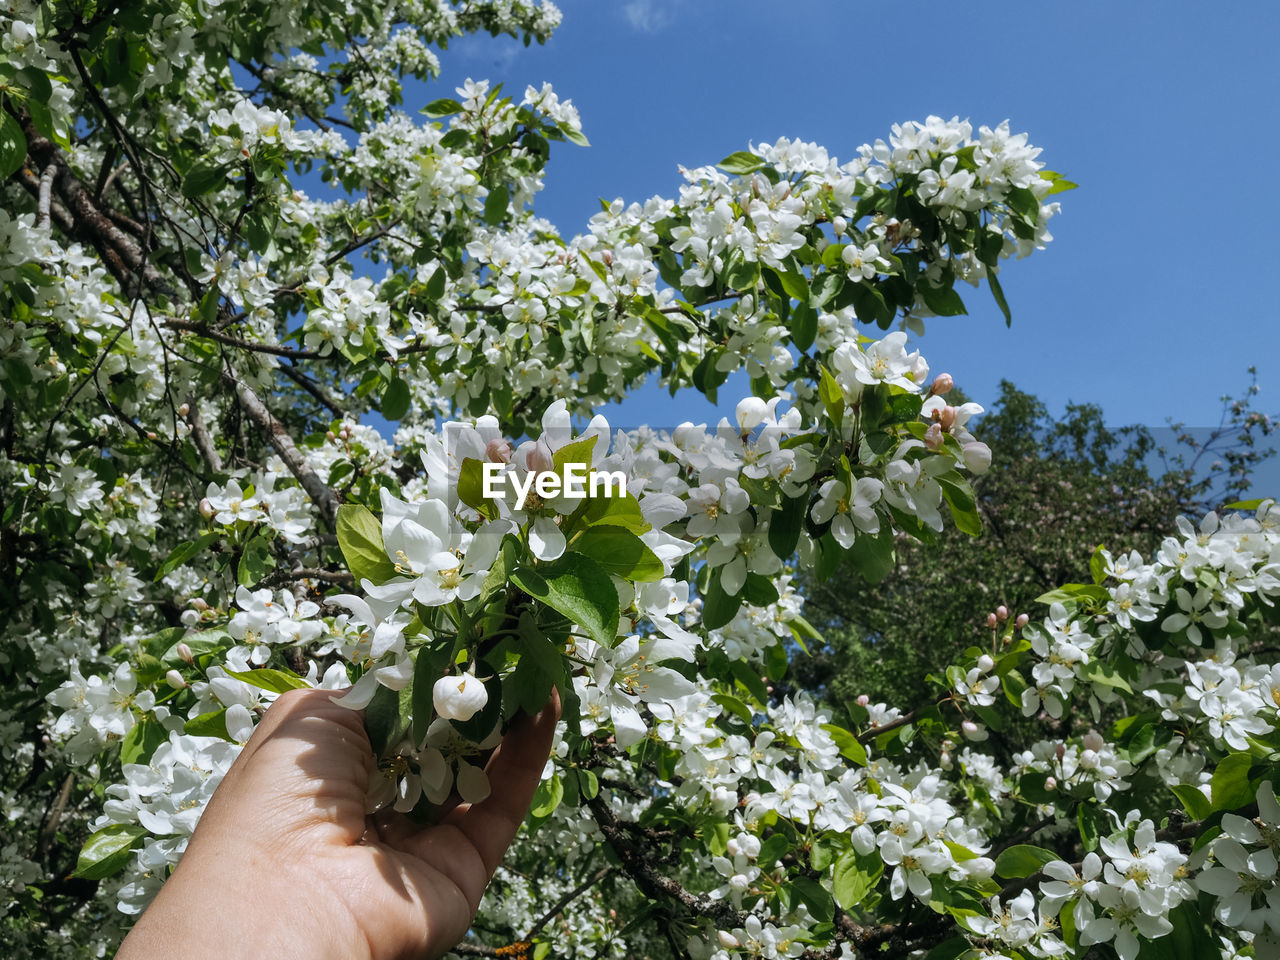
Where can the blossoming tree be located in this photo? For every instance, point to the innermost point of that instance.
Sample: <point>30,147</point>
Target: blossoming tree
<point>225,237</point>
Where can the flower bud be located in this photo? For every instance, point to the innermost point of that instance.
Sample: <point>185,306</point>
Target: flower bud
<point>151,434</point>
<point>980,868</point>
<point>991,620</point>
<point>942,385</point>
<point>539,459</point>
<point>1051,783</point>
<point>1093,741</point>
<point>863,700</point>
<point>330,436</point>
<point>971,730</point>
<point>728,940</point>
<point>184,409</point>
<point>947,417</point>
<point>1022,621</point>
<point>606,257</point>
<point>185,654</point>
<point>459,697</point>
<point>497,450</point>
<point>977,456</point>
<point>839,225</point>
<point>198,603</point>
<point>985,663</point>
<point>206,509</point>
<point>933,436</point>
<point>174,679</point>
<point>1002,612</point>
<point>1060,751</point>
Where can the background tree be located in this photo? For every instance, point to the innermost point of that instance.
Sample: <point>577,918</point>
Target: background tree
<point>1059,488</point>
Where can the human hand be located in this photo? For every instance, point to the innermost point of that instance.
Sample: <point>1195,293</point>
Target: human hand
<point>286,863</point>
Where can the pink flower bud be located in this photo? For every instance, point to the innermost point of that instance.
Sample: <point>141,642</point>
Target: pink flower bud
<point>1002,612</point>
<point>198,603</point>
<point>1022,621</point>
<point>539,459</point>
<point>947,417</point>
<point>1051,783</point>
<point>206,509</point>
<point>606,257</point>
<point>185,654</point>
<point>863,700</point>
<point>1092,741</point>
<point>497,450</point>
<point>728,940</point>
<point>1060,751</point>
<point>942,385</point>
<point>184,410</point>
<point>933,436</point>
<point>991,620</point>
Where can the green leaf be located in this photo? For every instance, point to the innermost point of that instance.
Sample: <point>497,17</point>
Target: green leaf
<point>853,877</point>
<point>1024,203</point>
<point>832,396</point>
<point>547,797</point>
<point>495,205</point>
<point>1060,183</point>
<point>804,326</point>
<point>850,747</point>
<point>387,718</point>
<point>1230,783</point>
<point>619,552</point>
<point>578,588</point>
<point>360,538</point>
<point>255,562</point>
<point>141,741</point>
<point>182,553</point>
<point>734,706</point>
<point>107,851</point>
<point>997,292</point>
<point>1075,591</point>
<point>718,608</point>
<point>944,300</point>
<point>277,681</point>
<point>1099,672</point>
<point>579,452</point>
<point>395,399</point>
<point>1098,565</point>
<point>213,724</point>
<point>1022,860</point>
<point>573,135</point>
<point>202,178</point>
<point>812,895</point>
<point>872,554</point>
<point>741,162</point>
<point>443,107</point>
<point>13,145</point>
<point>785,525</point>
<point>1193,801</point>
<point>621,512</point>
<point>964,509</point>
<point>759,590</point>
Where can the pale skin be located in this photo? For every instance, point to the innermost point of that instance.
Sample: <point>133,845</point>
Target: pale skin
<point>286,864</point>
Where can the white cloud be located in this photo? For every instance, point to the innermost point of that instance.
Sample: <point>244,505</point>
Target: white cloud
<point>645,15</point>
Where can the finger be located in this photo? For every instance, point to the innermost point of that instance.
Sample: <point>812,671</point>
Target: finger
<point>514,771</point>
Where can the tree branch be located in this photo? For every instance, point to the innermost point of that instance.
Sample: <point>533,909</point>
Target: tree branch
<point>321,494</point>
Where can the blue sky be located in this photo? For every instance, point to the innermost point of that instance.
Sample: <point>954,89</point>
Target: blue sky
<point>1157,293</point>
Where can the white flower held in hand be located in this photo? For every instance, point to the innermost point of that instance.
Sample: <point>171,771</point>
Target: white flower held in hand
<point>459,698</point>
